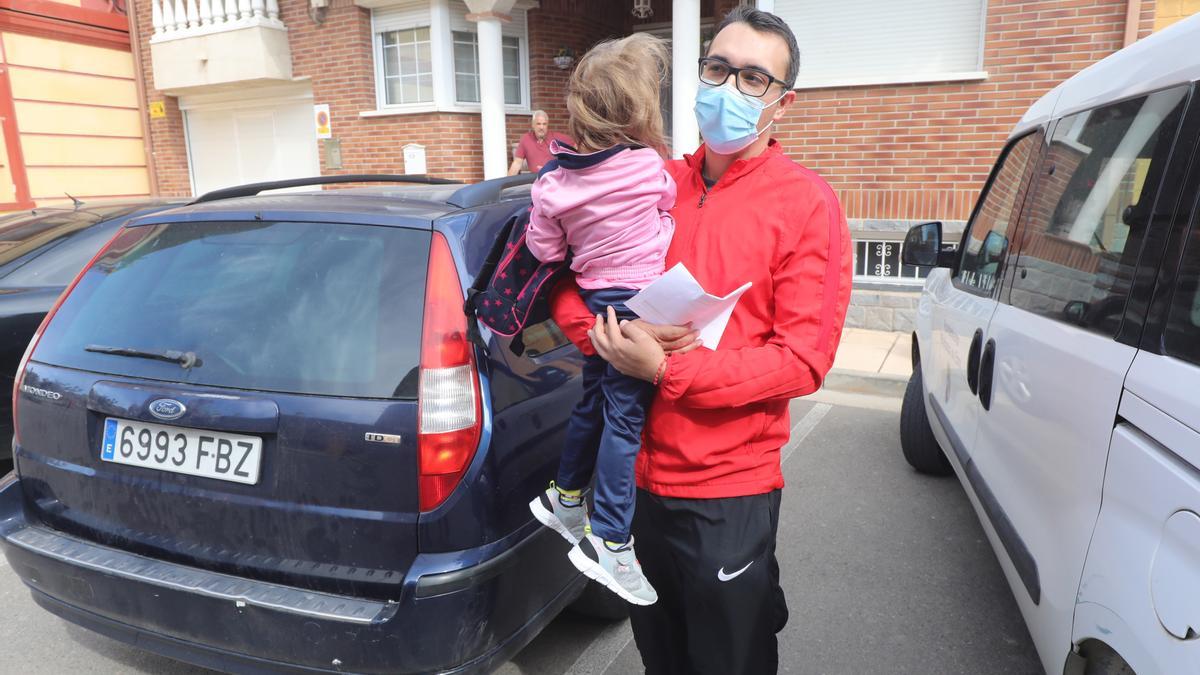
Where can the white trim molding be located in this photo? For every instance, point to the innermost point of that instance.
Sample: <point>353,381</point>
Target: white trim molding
<point>834,83</point>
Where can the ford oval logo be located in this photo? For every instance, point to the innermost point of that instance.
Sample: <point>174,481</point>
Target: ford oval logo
<point>167,409</point>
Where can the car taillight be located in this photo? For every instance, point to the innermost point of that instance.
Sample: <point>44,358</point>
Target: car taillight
<point>37,335</point>
<point>450,409</point>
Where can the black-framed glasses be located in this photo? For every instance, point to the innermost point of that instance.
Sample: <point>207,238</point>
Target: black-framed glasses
<point>750,81</point>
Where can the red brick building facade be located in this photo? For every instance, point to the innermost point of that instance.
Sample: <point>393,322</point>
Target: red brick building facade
<point>896,153</point>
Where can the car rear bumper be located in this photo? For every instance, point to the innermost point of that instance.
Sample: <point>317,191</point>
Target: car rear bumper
<point>457,623</point>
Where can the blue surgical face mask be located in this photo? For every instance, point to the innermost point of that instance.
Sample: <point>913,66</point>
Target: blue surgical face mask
<point>728,118</point>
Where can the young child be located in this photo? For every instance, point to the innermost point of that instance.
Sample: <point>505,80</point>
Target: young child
<point>606,202</point>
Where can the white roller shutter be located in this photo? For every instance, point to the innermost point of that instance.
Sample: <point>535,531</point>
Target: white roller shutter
<point>401,16</point>
<point>860,42</point>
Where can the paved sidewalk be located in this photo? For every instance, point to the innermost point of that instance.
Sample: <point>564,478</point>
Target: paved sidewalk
<point>868,352</point>
<point>871,362</point>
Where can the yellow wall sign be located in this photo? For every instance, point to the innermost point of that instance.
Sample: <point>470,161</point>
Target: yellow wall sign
<point>158,109</point>
<point>322,121</point>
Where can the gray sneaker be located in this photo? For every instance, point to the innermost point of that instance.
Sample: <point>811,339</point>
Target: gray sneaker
<point>618,570</point>
<point>571,521</point>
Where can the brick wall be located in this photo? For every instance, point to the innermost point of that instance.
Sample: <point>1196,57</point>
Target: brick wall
<point>923,151</point>
<point>575,25</point>
<point>900,152</point>
<point>164,135</point>
<point>336,56</point>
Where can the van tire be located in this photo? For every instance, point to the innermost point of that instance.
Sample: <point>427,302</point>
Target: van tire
<point>597,602</point>
<point>1103,660</point>
<point>920,447</point>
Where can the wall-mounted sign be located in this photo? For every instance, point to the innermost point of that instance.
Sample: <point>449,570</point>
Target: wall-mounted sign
<point>333,153</point>
<point>324,124</point>
<point>158,110</point>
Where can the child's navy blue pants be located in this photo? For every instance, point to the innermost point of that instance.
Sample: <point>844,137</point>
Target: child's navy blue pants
<point>605,431</point>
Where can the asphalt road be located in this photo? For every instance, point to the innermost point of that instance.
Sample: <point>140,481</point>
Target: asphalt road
<point>884,570</point>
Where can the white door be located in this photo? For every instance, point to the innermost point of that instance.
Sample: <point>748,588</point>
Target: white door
<point>960,304</point>
<point>250,143</point>
<point>1056,364</point>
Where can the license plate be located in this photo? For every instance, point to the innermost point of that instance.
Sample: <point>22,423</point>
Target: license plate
<point>196,452</point>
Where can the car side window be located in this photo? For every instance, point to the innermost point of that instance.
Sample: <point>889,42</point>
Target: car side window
<point>1182,336</point>
<point>985,244</point>
<point>1090,209</point>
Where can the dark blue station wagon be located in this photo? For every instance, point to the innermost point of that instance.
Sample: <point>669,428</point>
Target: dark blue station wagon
<point>255,434</point>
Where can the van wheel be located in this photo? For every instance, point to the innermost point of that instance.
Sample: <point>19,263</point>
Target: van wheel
<point>598,602</point>
<point>1103,660</point>
<point>921,448</point>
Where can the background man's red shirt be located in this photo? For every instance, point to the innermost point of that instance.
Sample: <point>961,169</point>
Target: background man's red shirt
<point>720,418</point>
<point>537,153</point>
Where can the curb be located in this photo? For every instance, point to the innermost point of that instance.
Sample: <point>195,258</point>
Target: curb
<point>862,382</point>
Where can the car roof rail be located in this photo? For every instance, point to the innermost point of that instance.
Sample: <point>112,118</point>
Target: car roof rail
<point>251,189</point>
<point>488,191</point>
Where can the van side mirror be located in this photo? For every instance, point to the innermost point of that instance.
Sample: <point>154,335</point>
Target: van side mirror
<point>995,247</point>
<point>1077,312</point>
<point>923,247</point>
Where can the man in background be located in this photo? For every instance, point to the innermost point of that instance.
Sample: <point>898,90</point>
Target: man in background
<point>534,147</point>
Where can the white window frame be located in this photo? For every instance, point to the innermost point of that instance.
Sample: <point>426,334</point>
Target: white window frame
<point>978,74</point>
<point>442,21</point>
<point>381,74</point>
<point>520,60</point>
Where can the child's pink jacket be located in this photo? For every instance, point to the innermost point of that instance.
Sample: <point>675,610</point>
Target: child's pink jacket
<point>609,208</point>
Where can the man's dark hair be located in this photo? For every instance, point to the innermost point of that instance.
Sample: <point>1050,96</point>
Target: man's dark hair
<point>765,22</point>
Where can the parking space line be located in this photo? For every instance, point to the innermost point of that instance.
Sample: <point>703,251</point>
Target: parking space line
<point>804,427</point>
<point>608,645</point>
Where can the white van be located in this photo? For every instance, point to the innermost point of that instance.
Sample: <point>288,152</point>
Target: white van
<point>1057,362</point>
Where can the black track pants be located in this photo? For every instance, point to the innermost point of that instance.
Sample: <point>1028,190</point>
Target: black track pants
<point>713,564</point>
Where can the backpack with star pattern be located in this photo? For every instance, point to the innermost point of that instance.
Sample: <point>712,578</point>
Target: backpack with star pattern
<point>510,291</point>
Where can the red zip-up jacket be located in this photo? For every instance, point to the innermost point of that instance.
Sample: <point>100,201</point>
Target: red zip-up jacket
<point>720,418</point>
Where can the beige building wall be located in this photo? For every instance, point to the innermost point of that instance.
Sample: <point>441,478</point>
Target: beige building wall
<point>1168,12</point>
<point>77,115</point>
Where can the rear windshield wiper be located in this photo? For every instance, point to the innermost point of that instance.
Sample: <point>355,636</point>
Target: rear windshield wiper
<point>185,359</point>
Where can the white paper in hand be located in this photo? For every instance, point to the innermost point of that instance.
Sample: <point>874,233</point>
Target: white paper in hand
<point>676,298</point>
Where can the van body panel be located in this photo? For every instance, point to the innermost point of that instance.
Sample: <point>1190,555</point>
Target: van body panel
<point>1042,449</point>
<point>1136,568</point>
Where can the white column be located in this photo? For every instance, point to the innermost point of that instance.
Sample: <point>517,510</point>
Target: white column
<point>491,96</point>
<point>685,52</point>
<point>443,53</point>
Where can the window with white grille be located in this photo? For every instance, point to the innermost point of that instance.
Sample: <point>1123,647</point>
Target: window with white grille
<point>878,260</point>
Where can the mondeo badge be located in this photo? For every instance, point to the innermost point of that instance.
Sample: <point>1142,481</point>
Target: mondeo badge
<point>167,409</point>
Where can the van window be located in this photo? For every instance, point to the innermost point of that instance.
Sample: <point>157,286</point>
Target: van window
<point>307,308</point>
<point>1090,209</point>
<point>985,244</point>
<point>1182,336</point>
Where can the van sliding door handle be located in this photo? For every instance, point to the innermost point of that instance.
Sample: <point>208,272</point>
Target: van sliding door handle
<point>973,362</point>
<point>987,366</point>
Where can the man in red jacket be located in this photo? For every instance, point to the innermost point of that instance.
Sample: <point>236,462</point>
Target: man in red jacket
<point>708,474</point>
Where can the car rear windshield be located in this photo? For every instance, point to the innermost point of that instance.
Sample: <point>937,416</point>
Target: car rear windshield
<point>308,308</point>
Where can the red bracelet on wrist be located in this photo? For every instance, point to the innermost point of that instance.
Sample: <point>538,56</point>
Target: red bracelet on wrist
<point>661,373</point>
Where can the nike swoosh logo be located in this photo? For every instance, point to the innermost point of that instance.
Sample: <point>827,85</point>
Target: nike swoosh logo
<point>722,576</point>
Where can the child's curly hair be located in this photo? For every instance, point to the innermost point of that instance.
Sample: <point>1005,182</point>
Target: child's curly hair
<point>613,95</point>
